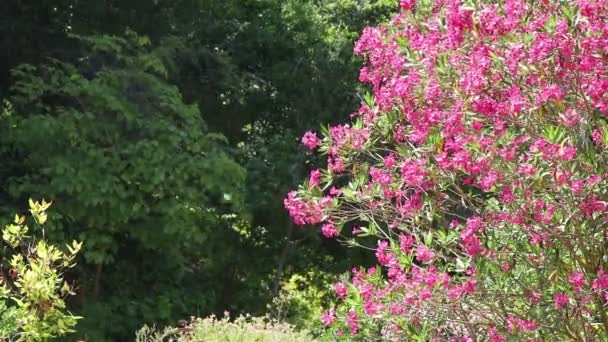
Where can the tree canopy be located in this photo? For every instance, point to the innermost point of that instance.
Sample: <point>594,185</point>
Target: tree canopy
<point>165,133</point>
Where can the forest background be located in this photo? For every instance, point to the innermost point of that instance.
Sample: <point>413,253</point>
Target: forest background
<point>166,135</point>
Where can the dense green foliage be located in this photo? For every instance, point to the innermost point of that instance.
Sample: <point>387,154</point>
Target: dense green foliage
<point>129,165</point>
<point>165,134</point>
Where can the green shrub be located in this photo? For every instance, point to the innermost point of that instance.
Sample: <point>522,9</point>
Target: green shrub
<point>302,299</point>
<point>241,329</point>
<point>32,287</point>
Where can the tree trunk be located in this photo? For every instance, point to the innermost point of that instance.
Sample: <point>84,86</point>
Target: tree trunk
<point>282,260</point>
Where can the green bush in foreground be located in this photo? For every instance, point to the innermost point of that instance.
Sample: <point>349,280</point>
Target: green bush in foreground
<point>241,329</point>
<point>32,288</point>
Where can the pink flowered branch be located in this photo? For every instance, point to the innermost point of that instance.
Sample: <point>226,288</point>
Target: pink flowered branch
<point>478,163</point>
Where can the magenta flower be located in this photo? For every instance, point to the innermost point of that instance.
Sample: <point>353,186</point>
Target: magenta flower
<point>352,322</point>
<point>380,176</point>
<point>577,281</point>
<point>315,177</point>
<point>527,325</point>
<point>341,289</point>
<point>601,283</point>
<point>424,254</point>
<point>328,317</point>
<point>407,4</point>
<point>560,300</point>
<point>372,308</point>
<point>310,140</point>
<point>329,230</point>
<point>382,255</point>
<point>302,211</point>
<point>425,294</point>
<point>596,136</point>
<point>534,296</point>
<point>472,245</point>
<point>406,242</point>
<point>570,117</point>
<point>493,335</point>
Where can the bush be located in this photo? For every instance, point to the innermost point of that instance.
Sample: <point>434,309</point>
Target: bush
<point>302,299</point>
<point>478,168</point>
<point>32,288</point>
<point>242,329</point>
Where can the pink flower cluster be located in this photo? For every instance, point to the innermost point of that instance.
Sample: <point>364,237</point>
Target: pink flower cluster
<point>303,211</point>
<point>478,163</point>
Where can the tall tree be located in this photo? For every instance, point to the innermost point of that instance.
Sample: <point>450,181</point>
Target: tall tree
<point>133,167</point>
<point>133,172</point>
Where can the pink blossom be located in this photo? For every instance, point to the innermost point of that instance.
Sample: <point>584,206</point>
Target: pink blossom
<point>389,161</point>
<point>475,224</point>
<point>562,177</point>
<point>302,211</point>
<point>406,242</point>
<point>336,164</point>
<point>488,180</point>
<point>596,136</point>
<point>372,308</point>
<point>527,325</point>
<point>358,137</point>
<point>341,289</point>
<point>469,286</point>
<point>413,173</point>
<point>534,296</point>
<point>310,140</point>
<point>593,180</point>
<point>454,292</point>
<point>380,176</point>
<point>425,294</point>
<point>477,125</point>
<point>382,255</point>
<point>424,254</point>
<point>329,230</point>
<point>366,291</point>
<point>407,4</point>
<point>570,117</point>
<point>471,244</point>
<point>550,92</point>
<point>566,153</point>
<point>335,191</point>
<point>431,279</point>
<point>315,177</point>
<point>601,282</point>
<point>527,170</point>
<point>507,195</point>
<point>352,322</point>
<point>560,300</point>
<point>577,186</point>
<point>493,335</point>
<point>328,317</point>
<point>591,205</point>
<point>577,281</point>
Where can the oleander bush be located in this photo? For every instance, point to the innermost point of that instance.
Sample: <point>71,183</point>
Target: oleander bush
<point>476,170</point>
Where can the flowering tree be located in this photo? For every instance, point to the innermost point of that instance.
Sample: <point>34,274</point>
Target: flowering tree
<point>478,163</point>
